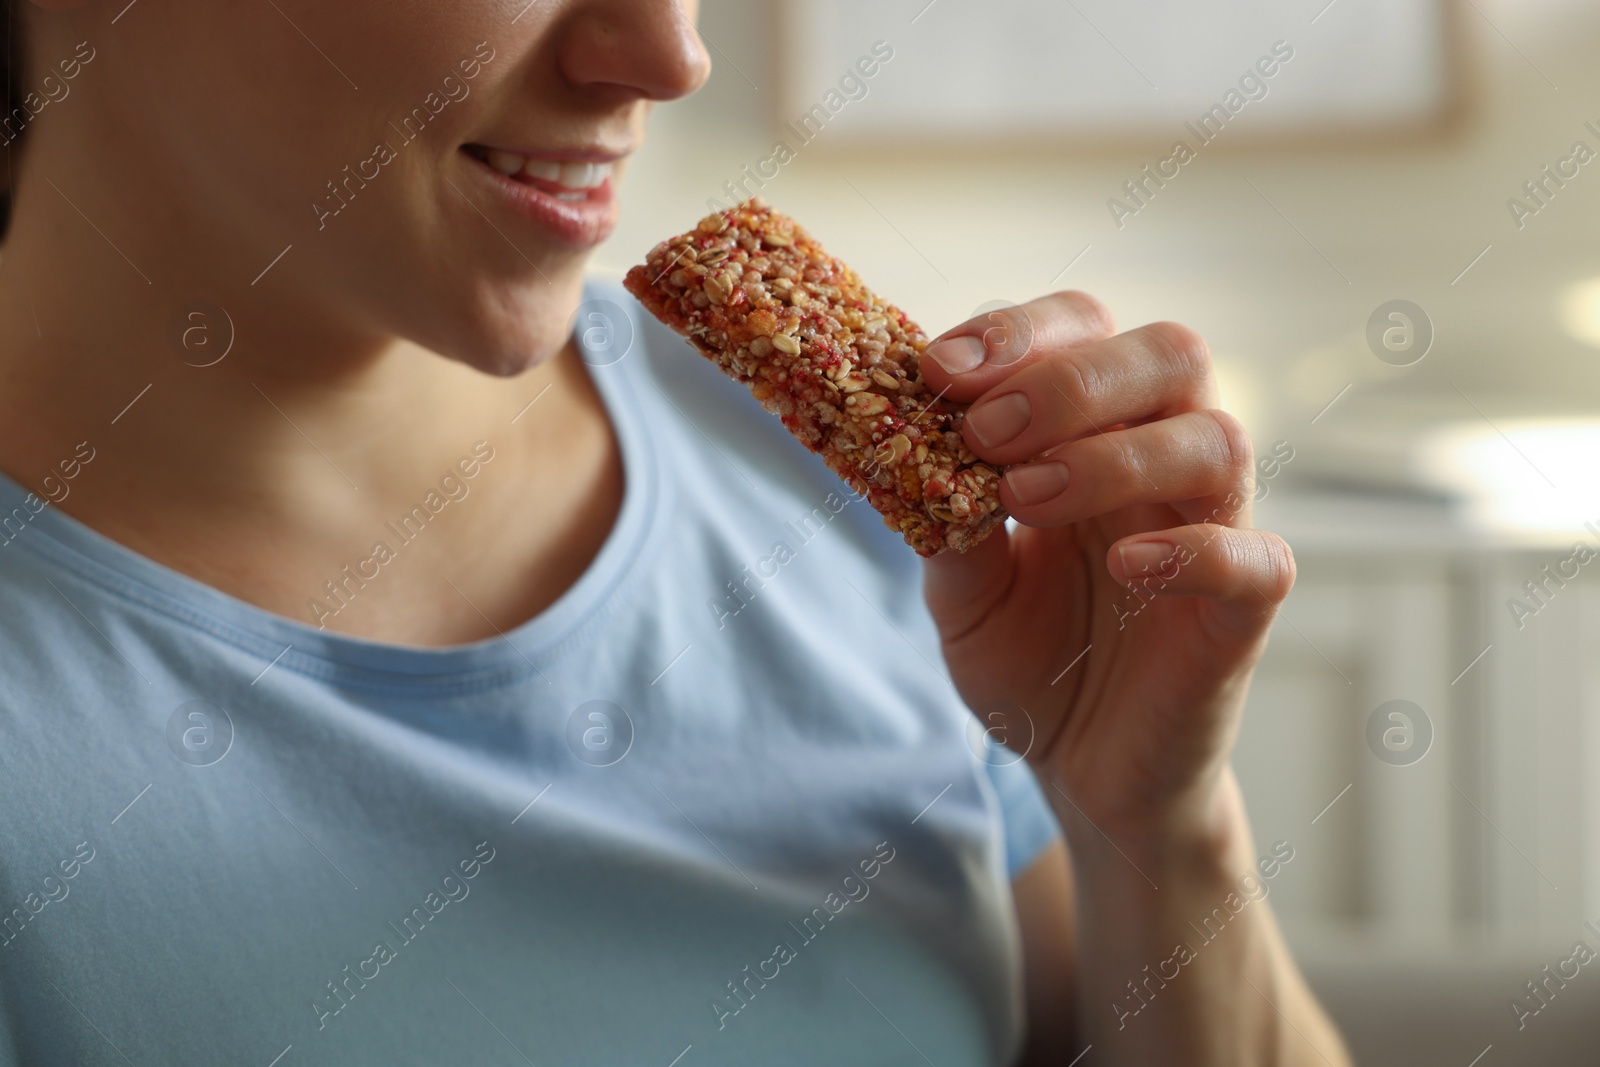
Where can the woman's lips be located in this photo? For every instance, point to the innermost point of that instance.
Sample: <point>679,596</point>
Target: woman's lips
<point>572,199</point>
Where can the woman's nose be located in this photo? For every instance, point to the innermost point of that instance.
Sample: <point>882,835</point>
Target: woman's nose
<point>647,47</point>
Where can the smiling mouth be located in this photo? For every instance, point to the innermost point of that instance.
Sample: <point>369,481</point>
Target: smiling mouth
<point>563,180</point>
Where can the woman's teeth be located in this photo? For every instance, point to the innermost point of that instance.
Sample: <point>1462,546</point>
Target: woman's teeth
<point>576,179</point>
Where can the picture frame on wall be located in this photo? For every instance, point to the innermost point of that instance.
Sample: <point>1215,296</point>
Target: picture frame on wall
<point>1110,73</point>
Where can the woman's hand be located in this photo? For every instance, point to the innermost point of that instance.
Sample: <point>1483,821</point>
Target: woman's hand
<point>1112,636</point>
<point>1119,623</point>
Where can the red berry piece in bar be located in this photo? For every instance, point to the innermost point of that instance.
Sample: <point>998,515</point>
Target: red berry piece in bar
<point>759,297</point>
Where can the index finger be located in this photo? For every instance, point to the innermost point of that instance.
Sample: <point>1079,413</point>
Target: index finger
<point>967,361</point>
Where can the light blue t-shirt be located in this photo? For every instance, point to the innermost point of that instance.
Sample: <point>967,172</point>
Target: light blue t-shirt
<point>719,804</point>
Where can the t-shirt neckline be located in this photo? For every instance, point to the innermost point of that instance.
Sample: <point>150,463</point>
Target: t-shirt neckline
<point>359,662</point>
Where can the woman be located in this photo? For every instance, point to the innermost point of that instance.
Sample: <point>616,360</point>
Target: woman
<point>397,674</point>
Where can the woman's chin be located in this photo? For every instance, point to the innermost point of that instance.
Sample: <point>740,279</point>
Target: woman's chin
<point>506,346</point>
<point>510,337</point>
<point>513,358</point>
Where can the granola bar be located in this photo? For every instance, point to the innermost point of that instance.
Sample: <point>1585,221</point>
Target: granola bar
<point>758,296</point>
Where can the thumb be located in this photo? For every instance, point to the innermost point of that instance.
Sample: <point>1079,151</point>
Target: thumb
<point>962,587</point>
<point>1245,574</point>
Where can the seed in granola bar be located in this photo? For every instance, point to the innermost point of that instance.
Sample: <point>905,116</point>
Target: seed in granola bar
<point>868,404</point>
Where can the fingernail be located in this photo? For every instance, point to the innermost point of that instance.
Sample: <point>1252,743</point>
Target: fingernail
<point>1145,557</point>
<point>958,354</point>
<point>1037,482</point>
<point>997,421</point>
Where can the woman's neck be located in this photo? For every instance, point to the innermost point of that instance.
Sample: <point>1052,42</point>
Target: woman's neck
<point>266,473</point>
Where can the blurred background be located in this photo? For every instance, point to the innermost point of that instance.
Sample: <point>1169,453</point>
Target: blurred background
<point>1392,244</point>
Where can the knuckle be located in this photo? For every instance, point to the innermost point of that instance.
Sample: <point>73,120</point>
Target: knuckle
<point>1078,382</point>
<point>1180,348</point>
<point>1232,443</point>
<point>1124,457</point>
<point>1087,308</point>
